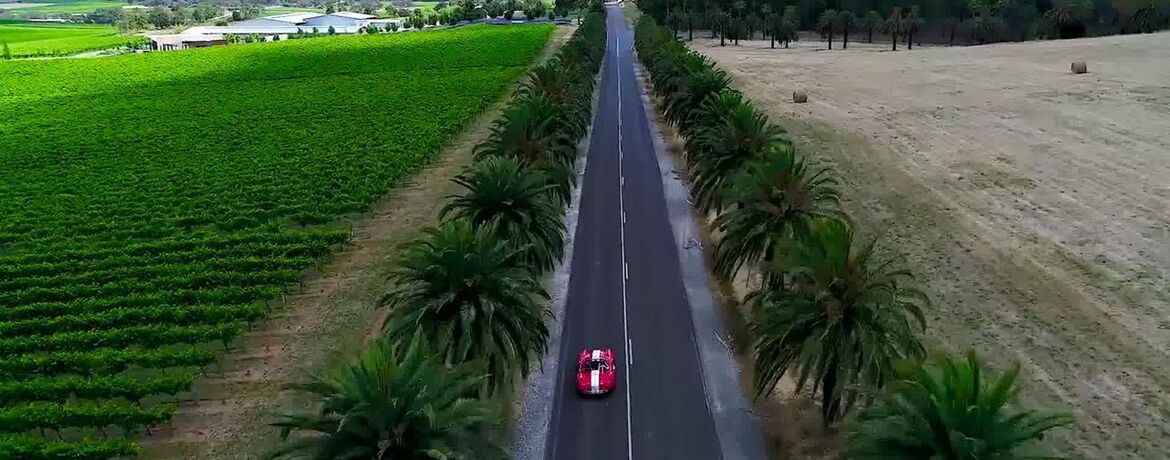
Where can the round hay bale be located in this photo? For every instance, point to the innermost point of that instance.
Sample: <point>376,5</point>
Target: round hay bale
<point>1079,67</point>
<point>799,97</point>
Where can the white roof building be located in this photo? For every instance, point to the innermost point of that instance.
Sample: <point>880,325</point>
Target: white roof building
<point>293,18</point>
<point>281,25</point>
<point>353,15</point>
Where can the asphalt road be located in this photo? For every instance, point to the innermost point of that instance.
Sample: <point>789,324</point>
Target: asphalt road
<point>626,293</point>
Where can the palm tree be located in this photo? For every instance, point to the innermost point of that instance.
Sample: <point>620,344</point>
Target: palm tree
<point>724,24</point>
<point>828,24</point>
<point>392,403</point>
<point>561,84</point>
<point>910,25</point>
<point>468,291</point>
<point>893,26</point>
<point>715,19</point>
<point>845,21</point>
<point>730,132</point>
<point>1065,18</point>
<point>739,6</point>
<point>1148,18</point>
<point>872,21</point>
<point>753,23</point>
<point>951,23</point>
<point>984,26</point>
<point>951,411</point>
<point>772,27</point>
<point>777,197</point>
<point>517,199</point>
<point>533,131</point>
<point>836,316</point>
<point>789,25</point>
<point>692,18</point>
<point>683,105</point>
<point>675,20</point>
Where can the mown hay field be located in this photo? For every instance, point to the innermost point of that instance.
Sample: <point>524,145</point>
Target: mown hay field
<point>27,40</point>
<point>1032,204</point>
<point>156,204</point>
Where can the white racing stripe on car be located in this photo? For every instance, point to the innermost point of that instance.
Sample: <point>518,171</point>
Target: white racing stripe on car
<point>595,381</point>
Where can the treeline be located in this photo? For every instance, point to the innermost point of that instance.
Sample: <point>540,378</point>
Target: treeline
<point>469,10</point>
<point>938,21</point>
<point>838,316</point>
<point>467,308</point>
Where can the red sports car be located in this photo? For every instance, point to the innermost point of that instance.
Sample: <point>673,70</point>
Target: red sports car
<point>596,372</point>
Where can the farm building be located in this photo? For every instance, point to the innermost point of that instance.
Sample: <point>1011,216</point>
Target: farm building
<point>269,27</point>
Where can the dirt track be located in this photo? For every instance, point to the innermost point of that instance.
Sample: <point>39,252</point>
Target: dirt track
<point>1033,204</point>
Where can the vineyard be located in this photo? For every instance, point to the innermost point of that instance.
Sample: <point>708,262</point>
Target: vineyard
<point>155,205</point>
<point>25,40</point>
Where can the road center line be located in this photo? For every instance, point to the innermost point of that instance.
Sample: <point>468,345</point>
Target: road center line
<point>622,223</point>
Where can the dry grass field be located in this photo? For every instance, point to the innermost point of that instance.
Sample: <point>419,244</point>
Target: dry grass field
<point>1033,204</point>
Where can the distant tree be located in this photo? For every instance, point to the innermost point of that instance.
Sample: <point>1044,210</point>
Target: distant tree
<point>985,27</point>
<point>910,25</point>
<point>1066,18</point>
<point>7,53</point>
<point>105,15</point>
<point>393,26</point>
<point>494,8</point>
<point>370,7</point>
<point>1019,16</point>
<point>738,26</point>
<point>873,21</point>
<point>675,21</point>
<point>1148,18</point>
<point>276,38</point>
<point>951,24</point>
<point>845,21</point>
<point>724,27</point>
<point>772,28</point>
<point>133,20</point>
<point>331,31</point>
<point>950,410</point>
<point>694,18</point>
<point>535,9</point>
<point>789,25</point>
<point>714,19</point>
<point>893,26</point>
<point>828,24</point>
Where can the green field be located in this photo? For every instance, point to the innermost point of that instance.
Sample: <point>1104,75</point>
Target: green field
<point>67,7</point>
<point>59,39</point>
<point>155,204</point>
